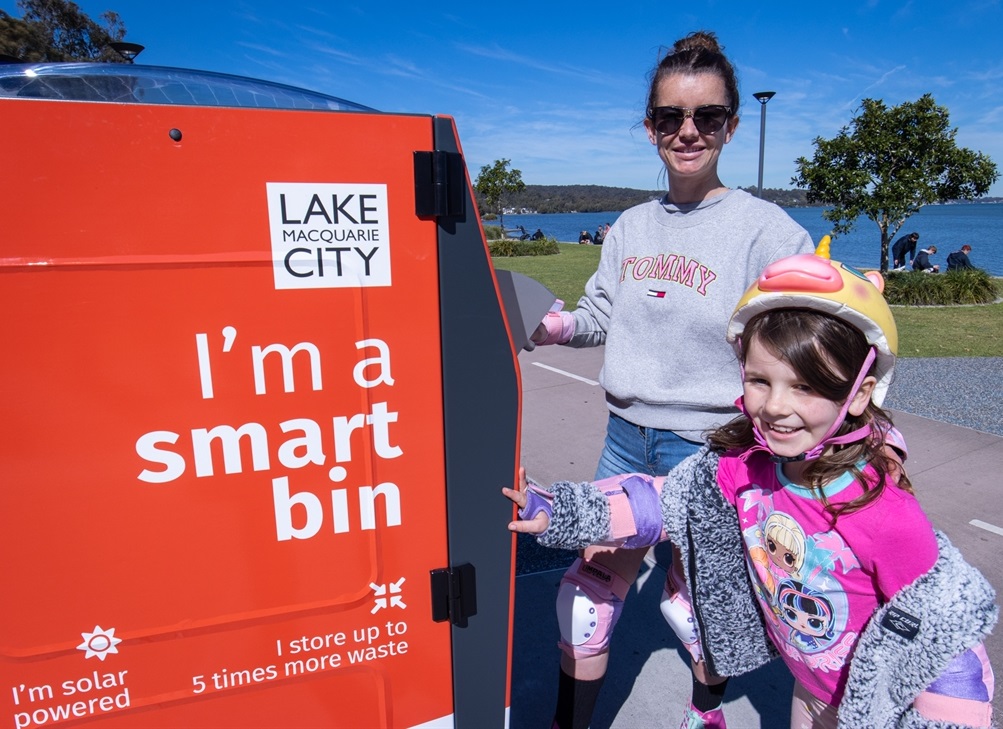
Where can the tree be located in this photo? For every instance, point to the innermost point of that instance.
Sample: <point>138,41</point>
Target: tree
<point>889,163</point>
<point>58,30</point>
<point>495,182</point>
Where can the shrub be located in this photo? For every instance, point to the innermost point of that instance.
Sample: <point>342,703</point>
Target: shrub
<point>504,247</point>
<point>493,232</point>
<point>971,286</point>
<point>913,288</point>
<point>507,247</point>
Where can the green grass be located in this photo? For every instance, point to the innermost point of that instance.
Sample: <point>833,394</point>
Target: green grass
<point>924,331</point>
<point>565,274</point>
<point>950,331</point>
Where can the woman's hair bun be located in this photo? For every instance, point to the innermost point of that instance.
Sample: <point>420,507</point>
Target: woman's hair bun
<point>698,40</point>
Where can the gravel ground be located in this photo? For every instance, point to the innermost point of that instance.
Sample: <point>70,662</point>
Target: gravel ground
<point>966,391</point>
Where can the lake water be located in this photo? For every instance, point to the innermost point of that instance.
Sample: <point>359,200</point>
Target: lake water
<point>948,227</point>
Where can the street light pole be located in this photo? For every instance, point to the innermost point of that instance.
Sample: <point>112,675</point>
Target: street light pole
<point>128,51</point>
<point>762,97</point>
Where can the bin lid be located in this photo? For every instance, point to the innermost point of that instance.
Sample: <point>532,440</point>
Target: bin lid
<point>131,84</point>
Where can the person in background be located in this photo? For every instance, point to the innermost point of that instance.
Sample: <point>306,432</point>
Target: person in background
<point>958,260</point>
<point>904,247</point>
<point>538,235</point>
<point>600,234</point>
<point>585,238</point>
<point>670,273</point>
<point>922,261</point>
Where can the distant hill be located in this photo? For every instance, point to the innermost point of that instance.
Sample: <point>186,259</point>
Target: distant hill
<point>578,198</point>
<point>599,199</point>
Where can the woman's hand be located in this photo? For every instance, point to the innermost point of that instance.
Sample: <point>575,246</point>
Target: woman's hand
<point>538,523</point>
<point>557,326</point>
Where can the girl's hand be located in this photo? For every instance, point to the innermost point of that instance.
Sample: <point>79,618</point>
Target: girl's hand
<point>536,525</point>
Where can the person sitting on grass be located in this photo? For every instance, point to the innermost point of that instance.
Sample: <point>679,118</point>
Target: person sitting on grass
<point>922,261</point>
<point>958,260</point>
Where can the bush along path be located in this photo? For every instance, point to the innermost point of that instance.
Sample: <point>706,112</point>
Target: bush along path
<point>914,288</point>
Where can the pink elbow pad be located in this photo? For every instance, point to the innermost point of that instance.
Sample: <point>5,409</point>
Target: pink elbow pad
<point>635,509</point>
<point>896,440</point>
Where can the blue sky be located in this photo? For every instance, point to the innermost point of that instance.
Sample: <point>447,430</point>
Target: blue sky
<point>559,88</point>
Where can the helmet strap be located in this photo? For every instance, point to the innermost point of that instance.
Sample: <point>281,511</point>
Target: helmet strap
<point>828,439</point>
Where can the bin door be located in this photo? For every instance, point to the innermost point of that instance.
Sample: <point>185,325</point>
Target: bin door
<point>222,443</point>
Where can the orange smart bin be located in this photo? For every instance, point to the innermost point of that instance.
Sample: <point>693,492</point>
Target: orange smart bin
<point>259,396</point>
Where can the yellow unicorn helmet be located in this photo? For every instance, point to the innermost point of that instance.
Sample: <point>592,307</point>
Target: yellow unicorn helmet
<point>813,281</point>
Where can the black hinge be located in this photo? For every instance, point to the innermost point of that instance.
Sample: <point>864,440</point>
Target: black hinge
<point>439,184</point>
<point>454,594</point>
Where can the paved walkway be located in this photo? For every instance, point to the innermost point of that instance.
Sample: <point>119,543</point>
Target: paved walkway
<point>951,412</point>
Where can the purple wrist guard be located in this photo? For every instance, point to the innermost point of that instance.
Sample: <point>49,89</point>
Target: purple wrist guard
<point>537,500</point>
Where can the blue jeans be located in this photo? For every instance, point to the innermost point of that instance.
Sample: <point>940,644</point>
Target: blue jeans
<point>633,448</point>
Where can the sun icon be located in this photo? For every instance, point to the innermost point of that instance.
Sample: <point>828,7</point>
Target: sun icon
<point>99,642</point>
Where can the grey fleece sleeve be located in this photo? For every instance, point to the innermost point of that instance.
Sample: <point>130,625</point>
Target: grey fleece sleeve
<point>580,517</point>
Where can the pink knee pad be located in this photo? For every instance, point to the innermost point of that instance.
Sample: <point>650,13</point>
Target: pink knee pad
<point>589,601</point>
<point>678,613</point>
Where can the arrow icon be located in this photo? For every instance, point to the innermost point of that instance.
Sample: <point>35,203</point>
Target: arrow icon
<point>395,600</point>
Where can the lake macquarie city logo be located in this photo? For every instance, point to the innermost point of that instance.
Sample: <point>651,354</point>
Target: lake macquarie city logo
<point>329,235</point>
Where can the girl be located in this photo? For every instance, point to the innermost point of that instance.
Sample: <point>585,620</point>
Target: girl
<point>874,612</point>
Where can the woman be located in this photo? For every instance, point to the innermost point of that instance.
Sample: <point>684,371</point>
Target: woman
<point>671,272</point>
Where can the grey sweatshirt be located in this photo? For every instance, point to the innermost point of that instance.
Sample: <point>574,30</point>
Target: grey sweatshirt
<point>667,283</point>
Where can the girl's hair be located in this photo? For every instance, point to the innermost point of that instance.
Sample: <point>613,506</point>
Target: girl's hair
<point>827,354</point>
<point>699,52</point>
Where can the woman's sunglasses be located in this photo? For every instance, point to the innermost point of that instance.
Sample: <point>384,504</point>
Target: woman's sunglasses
<point>707,119</point>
